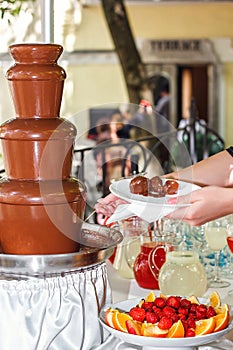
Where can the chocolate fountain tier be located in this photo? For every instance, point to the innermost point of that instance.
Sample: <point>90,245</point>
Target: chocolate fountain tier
<point>36,81</point>
<point>98,245</point>
<point>42,217</point>
<point>37,149</point>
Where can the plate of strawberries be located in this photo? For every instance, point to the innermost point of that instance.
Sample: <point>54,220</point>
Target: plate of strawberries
<point>171,322</point>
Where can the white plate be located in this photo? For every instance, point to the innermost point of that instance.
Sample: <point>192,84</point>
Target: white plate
<point>146,207</point>
<point>121,189</point>
<point>159,343</point>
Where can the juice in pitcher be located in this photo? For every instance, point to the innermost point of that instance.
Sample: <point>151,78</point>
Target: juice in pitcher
<point>150,259</point>
<point>182,274</point>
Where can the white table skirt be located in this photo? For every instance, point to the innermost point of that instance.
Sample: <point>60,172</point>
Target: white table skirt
<point>54,313</point>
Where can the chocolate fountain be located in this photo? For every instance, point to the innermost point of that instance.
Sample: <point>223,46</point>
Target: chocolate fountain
<point>41,206</point>
<point>52,270</point>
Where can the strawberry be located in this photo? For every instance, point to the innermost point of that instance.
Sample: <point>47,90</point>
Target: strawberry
<point>160,302</point>
<point>201,308</point>
<point>201,311</point>
<point>183,311</point>
<point>182,317</point>
<point>185,324</point>
<point>190,333</point>
<point>200,315</point>
<point>168,311</point>
<point>151,317</point>
<point>193,308</point>
<point>173,302</point>
<point>210,312</point>
<point>165,323</point>
<point>184,303</point>
<point>191,323</point>
<point>175,317</point>
<point>137,314</point>
<point>157,311</point>
<point>147,305</point>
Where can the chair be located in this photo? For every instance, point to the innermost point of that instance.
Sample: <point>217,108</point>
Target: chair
<point>114,160</point>
<point>201,140</point>
<point>2,172</point>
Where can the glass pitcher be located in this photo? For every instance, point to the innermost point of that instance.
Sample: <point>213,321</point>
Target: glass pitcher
<point>153,249</point>
<point>131,229</point>
<point>183,273</point>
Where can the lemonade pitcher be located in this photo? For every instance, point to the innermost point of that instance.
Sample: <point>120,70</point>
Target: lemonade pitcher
<point>182,273</point>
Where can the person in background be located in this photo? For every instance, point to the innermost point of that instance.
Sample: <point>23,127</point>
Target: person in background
<point>103,130</point>
<point>108,133</point>
<point>213,200</point>
<point>122,126</point>
<point>162,121</point>
<point>163,108</point>
<point>142,123</point>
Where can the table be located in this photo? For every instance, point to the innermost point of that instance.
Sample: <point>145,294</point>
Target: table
<point>123,288</point>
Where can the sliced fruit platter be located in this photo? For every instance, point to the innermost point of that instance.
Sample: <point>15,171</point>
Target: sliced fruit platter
<point>167,319</point>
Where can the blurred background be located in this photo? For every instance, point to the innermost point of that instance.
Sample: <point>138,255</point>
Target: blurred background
<point>185,44</point>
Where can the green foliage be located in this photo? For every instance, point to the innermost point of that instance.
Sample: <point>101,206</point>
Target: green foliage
<point>11,8</point>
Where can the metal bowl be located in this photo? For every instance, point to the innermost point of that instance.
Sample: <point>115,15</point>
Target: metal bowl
<point>97,245</point>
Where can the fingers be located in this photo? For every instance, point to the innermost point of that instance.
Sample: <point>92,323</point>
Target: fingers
<point>186,199</point>
<point>105,209</point>
<point>108,199</point>
<point>179,214</point>
<point>108,204</point>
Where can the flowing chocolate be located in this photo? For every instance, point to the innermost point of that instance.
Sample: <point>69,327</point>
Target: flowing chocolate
<point>41,206</point>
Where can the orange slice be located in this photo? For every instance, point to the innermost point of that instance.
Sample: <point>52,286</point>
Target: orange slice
<point>222,309</point>
<point>152,330</point>
<point>163,296</point>
<point>108,317</point>
<point>215,300</point>
<point>205,326</point>
<point>150,297</point>
<point>133,327</point>
<point>222,319</point>
<point>176,330</point>
<point>193,299</point>
<point>119,320</point>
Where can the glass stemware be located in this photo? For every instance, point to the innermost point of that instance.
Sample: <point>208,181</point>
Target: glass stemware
<point>215,235</point>
<point>229,297</point>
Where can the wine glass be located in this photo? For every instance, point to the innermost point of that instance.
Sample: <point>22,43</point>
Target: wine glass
<point>229,297</point>
<point>215,235</point>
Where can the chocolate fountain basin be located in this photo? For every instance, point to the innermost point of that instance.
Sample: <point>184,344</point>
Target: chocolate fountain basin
<point>41,217</point>
<point>97,245</point>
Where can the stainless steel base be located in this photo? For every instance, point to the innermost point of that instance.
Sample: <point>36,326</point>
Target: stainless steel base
<point>97,245</point>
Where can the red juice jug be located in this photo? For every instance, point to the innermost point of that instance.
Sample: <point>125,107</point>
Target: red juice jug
<point>150,259</point>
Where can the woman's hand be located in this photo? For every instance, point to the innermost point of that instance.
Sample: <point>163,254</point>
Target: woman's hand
<point>207,204</point>
<point>108,204</point>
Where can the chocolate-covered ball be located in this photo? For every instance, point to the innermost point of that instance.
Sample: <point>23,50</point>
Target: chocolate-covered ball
<point>139,185</point>
<point>156,188</point>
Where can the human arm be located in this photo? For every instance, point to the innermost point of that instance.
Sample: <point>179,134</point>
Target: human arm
<point>216,170</point>
<point>207,204</point>
<point>216,198</point>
